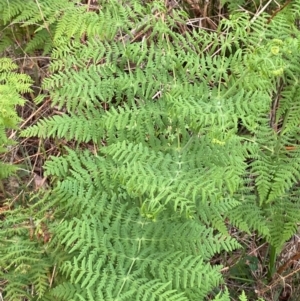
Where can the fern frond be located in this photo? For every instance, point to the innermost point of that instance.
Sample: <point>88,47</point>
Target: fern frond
<point>12,85</point>
<point>136,248</point>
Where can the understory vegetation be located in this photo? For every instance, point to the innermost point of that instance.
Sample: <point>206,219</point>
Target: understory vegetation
<point>149,150</point>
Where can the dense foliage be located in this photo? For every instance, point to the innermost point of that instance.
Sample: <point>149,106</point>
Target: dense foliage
<point>179,132</point>
<point>12,85</point>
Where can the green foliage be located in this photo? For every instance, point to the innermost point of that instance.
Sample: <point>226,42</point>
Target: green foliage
<point>25,261</point>
<point>12,84</point>
<point>151,108</point>
<point>176,132</point>
<point>117,254</point>
<point>243,297</point>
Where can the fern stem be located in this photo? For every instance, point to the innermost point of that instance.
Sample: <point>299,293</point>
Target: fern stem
<point>234,85</point>
<point>272,261</point>
<point>127,277</point>
<point>285,120</point>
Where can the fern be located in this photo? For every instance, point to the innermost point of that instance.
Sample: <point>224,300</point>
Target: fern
<point>25,260</point>
<point>140,188</point>
<point>182,140</point>
<point>158,158</point>
<point>127,252</point>
<point>273,163</point>
<point>12,84</point>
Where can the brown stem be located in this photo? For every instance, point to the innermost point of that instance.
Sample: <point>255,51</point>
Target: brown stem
<point>278,10</point>
<point>283,267</point>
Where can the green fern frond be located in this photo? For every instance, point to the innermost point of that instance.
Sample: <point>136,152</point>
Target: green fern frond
<point>12,85</point>
<point>182,140</point>
<point>139,248</point>
<point>24,261</point>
